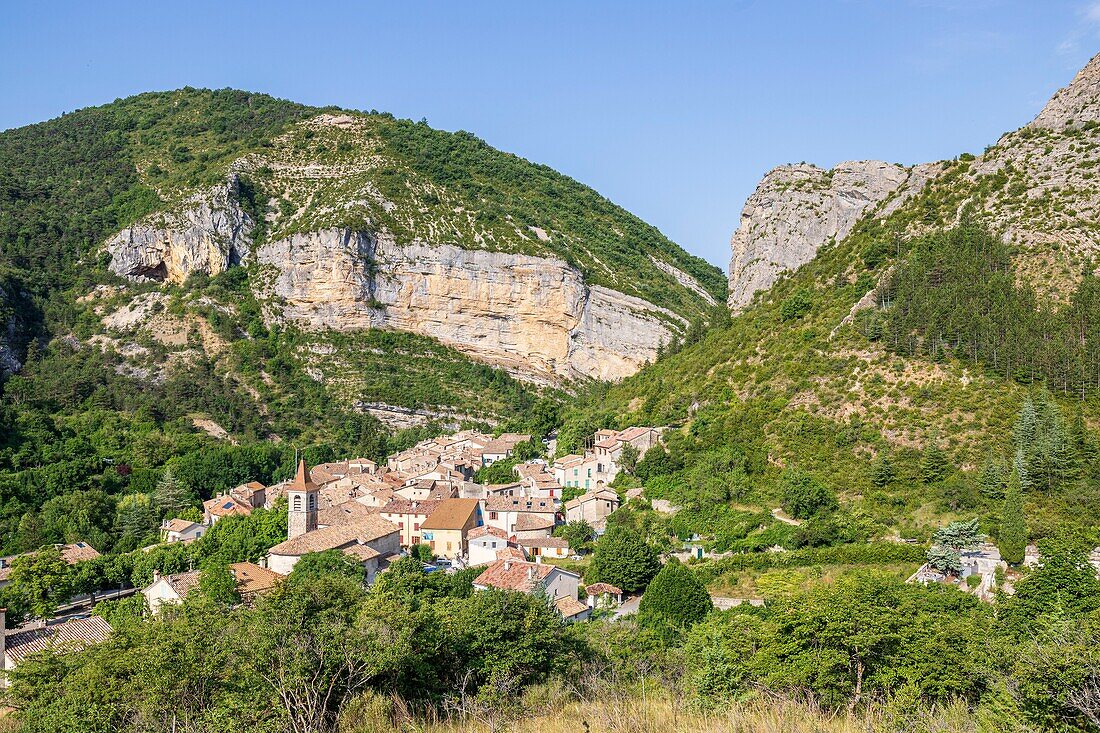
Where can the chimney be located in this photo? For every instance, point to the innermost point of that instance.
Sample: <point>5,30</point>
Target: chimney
<point>156,575</point>
<point>507,563</point>
<point>530,573</point>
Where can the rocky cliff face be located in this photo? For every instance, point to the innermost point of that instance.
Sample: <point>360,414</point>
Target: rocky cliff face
<point>9,335</point>
<point>534,316</point>
<point>796,210</point>
<point>1036,186</point>
<point>208,233</point>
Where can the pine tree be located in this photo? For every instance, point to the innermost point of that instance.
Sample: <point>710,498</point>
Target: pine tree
<point>170,495</point>
<point>933,464</point>
<point>882,472</point>
<point>992,480</point>
<point>1013,535</point>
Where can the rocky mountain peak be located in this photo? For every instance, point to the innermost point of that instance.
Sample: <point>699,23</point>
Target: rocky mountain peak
<point>794,211</point>
<point>1074,104</point>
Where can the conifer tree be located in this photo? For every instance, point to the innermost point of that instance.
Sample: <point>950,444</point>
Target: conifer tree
<point>992,480</point>
<point>1013,535</point>
<point>933,464</point>
<point>170,495</point>
<point>882,472</point>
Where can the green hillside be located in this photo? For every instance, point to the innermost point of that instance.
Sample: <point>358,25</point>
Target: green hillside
<point>907,411</point>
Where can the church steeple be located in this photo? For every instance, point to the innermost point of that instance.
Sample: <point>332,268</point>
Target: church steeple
<point>301,496</point>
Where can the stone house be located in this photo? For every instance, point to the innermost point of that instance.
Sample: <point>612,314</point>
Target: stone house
<point>517,514</point>
<point>537,481</point>
<point>592,507</point>
<point>447,528</point>
<point>223,506</point>
<point>529,577</point>
<point>603,595</point>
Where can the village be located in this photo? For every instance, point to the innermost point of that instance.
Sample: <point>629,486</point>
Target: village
<point>375,513</point>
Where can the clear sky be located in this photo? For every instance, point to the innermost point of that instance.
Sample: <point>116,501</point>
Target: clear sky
<point>671,109</point>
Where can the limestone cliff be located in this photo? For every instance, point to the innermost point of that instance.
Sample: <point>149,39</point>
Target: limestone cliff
<point>796,210</point>
<point>208,233</point>
<point>1036,186</point>
<point>534,316</point>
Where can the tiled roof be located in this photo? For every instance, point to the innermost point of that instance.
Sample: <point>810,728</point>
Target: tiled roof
<point>71,554</point>
<point>569,607</point>
<point>301,480</point>
<point>361,552</point>
<point>484,530</point>
<point>330,538</point>
<point>178,525</point>
<point>452,514</point>
<point>251,578</point>
<point>224,506</point>
<point>607,494</point>
<point>349,511</point>
<point>511,553</point>
<point>568,461</point>
<point>558,542</point>
<point>183,583</point>
<point>528,521</point>
<point>405,506</point>
<point>598,589</point>
<point>633,433</point>
<point>513,575</point>
<point>78,552</point>
<point>519,504</point>
<point>71,635</point>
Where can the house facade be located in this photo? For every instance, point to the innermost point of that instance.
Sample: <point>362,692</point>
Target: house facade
<point>446,530</point>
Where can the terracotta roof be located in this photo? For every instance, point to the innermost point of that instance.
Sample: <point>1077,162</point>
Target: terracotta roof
<point>78,552</point>
<point>516,575</point>
<point>519,504</point>
<point>251,578</point>
<point>567,461</point>
<point>511,553</point>
<point>349,511</point>
<point>361,552</point>
<point>71,554</point>
<point>528,521</point>
<point>406,506</point>
<point>224,506</point>
<point>183,583</point>
<point>484,530</point>
<point>452,514</point>
<point>633,433</point>
<point>179,525</point>
<point>598,589</point>
<point>607,494</point>
<point>71,635</point>
<point>330,538</point>
<point>301,480</point>
<point>559,542</point>
<point>608,443</point>
<point>569,607</point>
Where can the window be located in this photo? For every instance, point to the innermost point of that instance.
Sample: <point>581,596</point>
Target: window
<point>493,515</point>
<point>590,473</point>
<point>574,472</point>
<point>448,546</point>
<point>297,502</point>
<point>586,482</point>
<point>494,544</point>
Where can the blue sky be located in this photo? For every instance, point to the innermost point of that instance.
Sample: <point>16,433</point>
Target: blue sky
<point>672,109</point>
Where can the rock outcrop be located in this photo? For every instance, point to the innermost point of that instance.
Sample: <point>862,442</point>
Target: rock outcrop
<point>796,210</point>
<point>9,335</point>
<point>534,316</point>
<point>1076,104</point>
<point>208,233</point>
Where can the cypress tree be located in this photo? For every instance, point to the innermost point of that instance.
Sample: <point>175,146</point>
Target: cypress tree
<point>1013,536</point>
<point>170,496</point>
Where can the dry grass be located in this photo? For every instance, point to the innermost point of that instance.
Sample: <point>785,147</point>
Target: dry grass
<point>659,712</point>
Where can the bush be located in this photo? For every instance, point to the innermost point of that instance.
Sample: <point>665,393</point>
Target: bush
<point>674,597</point>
